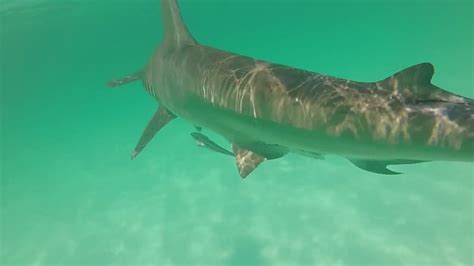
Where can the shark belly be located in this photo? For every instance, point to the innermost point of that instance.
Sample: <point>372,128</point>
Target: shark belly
<point>238,128</point>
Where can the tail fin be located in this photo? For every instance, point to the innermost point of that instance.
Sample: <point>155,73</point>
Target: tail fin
<point>176,32</point>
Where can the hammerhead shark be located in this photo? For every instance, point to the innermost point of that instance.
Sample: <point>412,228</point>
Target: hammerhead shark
<point>266,110</point>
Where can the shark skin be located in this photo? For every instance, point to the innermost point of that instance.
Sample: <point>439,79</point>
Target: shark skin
<point>267,110</point>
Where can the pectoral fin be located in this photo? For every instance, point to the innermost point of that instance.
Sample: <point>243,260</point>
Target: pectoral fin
<point>246,160</point>
<point>158,121</point>
<point>380,167</point>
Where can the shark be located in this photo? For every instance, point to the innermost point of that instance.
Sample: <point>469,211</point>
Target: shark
<point>267,110</point>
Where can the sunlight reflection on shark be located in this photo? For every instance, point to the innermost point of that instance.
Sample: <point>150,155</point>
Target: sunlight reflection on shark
<point>267,110</point>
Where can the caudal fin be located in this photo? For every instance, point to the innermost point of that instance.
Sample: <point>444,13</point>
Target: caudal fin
<point>175,30</point>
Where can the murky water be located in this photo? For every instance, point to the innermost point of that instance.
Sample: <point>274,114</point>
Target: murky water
<point>71,196</point>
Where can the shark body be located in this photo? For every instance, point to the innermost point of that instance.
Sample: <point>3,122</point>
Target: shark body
<point>267,110</point>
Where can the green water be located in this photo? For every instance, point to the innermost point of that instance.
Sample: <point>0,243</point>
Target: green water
<point>71,196</point>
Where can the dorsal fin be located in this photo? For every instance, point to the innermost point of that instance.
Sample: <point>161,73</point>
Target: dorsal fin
<point>176,32</point>
<point>419,75</point>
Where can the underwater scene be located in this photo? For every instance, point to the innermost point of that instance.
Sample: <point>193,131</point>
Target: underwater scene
<point>71,195</point>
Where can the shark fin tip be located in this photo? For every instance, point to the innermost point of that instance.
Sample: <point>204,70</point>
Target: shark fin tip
<point>395,173</point>
<point>134,155</point>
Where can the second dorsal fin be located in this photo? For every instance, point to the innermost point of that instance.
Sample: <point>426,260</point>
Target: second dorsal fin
<point>413,77</point>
